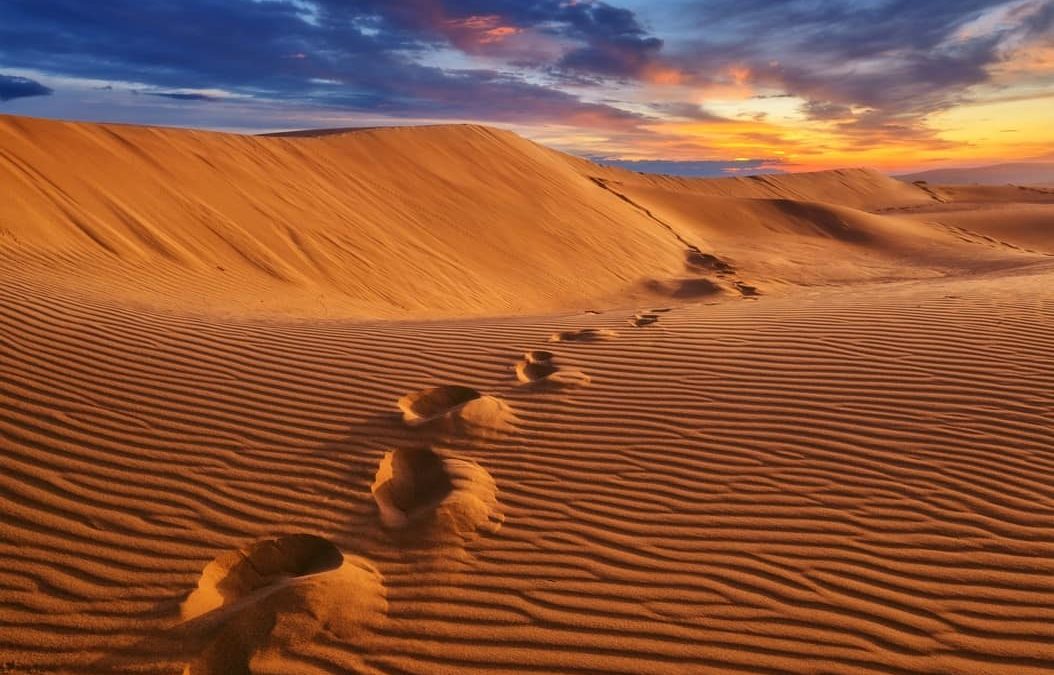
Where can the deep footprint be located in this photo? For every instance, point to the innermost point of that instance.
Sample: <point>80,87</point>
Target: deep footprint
<point>256,601</point>
<point>584,335</point>
<point>640,320</point>
<point>539,368</point>
<point>746,290</point>
<point>697,260</point>
<point>418,490</point>
<point>455,409</point>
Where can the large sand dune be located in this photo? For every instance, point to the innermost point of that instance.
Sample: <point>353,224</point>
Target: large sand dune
<point>806,427</point>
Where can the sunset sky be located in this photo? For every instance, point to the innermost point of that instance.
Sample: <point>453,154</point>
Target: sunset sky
<point>688,86</point>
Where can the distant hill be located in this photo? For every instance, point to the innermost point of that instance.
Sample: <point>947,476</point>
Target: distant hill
<point>1017,173</point>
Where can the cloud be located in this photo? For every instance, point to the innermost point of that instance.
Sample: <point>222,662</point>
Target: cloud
<point>695,169</point>
<point>596,38</point>
<point>685,110</point>
<point>826,110</point>
<point>615,43</point>
<point>12,87</point>
<point>359,55</point>
<point>181,96</point>
<point>899,57</point>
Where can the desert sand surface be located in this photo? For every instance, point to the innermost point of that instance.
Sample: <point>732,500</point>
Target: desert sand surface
<point>441,400</point>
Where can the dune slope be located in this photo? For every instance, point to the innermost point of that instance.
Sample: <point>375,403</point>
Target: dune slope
<point>435,221</point>
<point>443,220</point>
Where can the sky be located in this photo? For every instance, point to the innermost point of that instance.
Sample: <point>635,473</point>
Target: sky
<point>696,87</point>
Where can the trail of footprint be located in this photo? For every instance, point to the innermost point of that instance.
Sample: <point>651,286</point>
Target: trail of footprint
<point>431,497</point>
<point>584,335</point>
<point>254,602</point>
<point>538,368</point>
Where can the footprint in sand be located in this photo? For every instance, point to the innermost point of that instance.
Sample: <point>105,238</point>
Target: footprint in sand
<point>584,335</point>
<point>640,320</point>
<point>746,290</point>
<point>455,409</point>
<point>251,604</point>
<point>419,491</point>
<point>695,259</point>
<point>539,368</point>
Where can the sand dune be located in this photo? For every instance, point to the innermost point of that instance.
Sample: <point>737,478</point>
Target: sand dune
<point>434,221</point>
<point>1017,173</point>
<point>828,448</point>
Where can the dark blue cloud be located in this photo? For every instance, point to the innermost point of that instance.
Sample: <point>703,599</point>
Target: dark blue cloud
<point>12,87</point>
<point>695,169</point>
<point>357,55</point>
<point>180,96</point>
<point>616,44</point>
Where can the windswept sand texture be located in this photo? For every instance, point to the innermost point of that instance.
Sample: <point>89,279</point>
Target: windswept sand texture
<point>228,367</point>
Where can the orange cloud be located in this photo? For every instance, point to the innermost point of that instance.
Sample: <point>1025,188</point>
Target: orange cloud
<point>473,32</point>
<point>663,75</point>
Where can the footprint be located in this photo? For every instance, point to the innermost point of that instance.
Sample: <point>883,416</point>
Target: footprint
<point>584,335</point>
<point>538,368</point>
<point>455,408</point>
<point>417,489</point>
<point>746,290</point>
<point>684,288</point>
<point>640,320</point>
<point>696,259</point>
<point>255,602</point>
<point>536,365</point>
